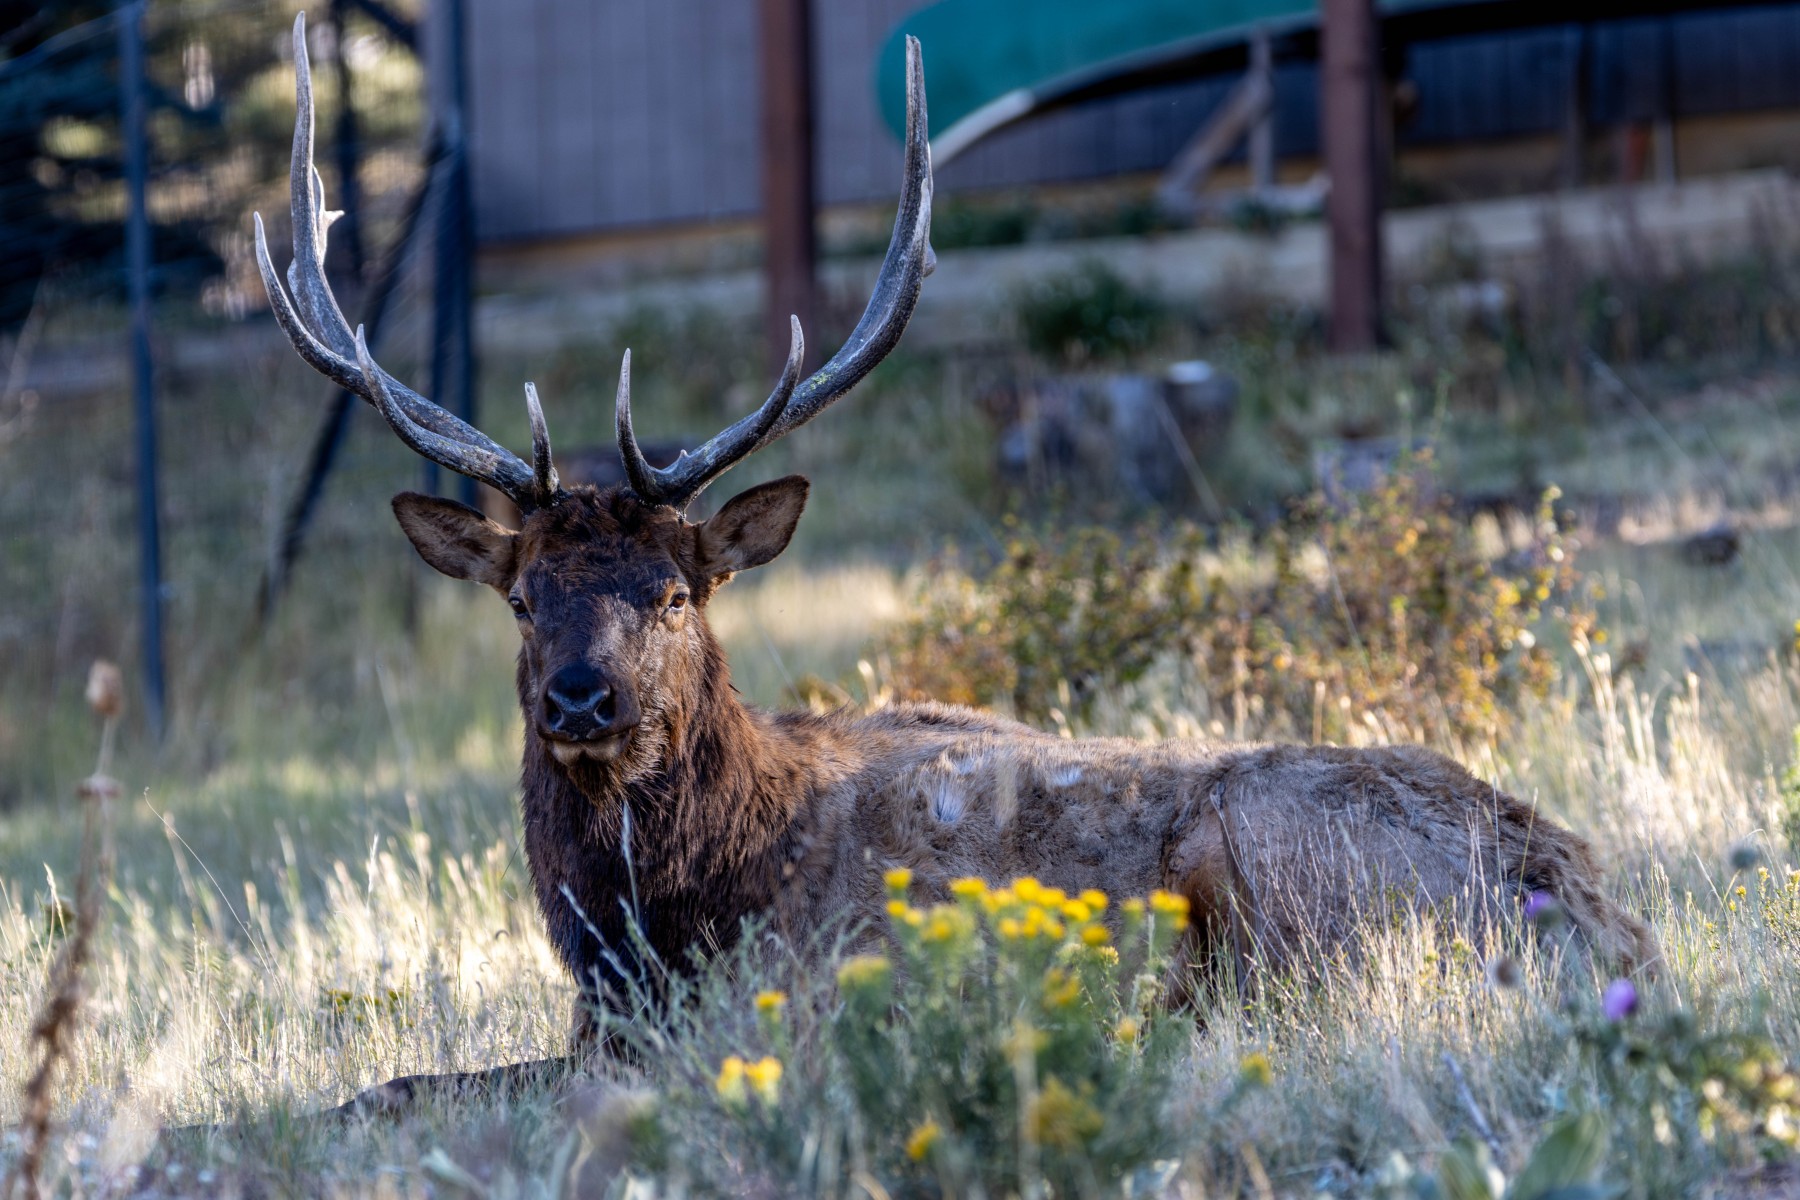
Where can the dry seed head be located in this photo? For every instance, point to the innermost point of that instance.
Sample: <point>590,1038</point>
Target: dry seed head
<point>105,689</point>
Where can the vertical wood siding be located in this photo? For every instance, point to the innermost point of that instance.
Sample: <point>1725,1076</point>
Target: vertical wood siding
<point>603,114</point>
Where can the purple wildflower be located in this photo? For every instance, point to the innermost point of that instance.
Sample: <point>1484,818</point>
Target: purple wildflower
<point>1543,908</point>
<point>1620,1000</point>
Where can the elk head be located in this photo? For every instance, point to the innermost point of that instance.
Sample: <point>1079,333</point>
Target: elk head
<point>607,586</point>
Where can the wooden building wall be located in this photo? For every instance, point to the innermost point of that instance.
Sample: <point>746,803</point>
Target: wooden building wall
<point>594,115</point>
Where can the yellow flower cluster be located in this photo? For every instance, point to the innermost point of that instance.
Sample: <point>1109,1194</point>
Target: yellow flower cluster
<point>1025,912</point>
<point>923,1137</point>
<point>739,1080</point>
<point>1062,1117</point>
<point>866,974</point>
<point>1028,911</point>
<point>1061,989</point>
<point>1168,904</point>
<point>770,1001</point>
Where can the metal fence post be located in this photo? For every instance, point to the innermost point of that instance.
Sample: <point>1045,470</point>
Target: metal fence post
<point>137,269</point>
<point>453,334</point>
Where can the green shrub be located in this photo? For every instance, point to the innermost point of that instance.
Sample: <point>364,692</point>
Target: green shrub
<point>1790,798</point>
<point>1015,1041</point>
<point>1089,315</point>
<point>1390,608</point>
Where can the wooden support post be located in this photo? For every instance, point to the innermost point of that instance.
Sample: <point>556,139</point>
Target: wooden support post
<point>1262,133</point>
<point>137,268</point>
<point>1353,210</point>
<point>790,255</point>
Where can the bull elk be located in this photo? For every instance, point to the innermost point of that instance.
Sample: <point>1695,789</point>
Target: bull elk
<point>633,730</point>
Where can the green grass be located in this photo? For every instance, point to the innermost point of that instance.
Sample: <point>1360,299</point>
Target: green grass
<point>320,883</point>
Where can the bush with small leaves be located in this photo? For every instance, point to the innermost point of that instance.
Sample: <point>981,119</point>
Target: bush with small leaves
<point>1089,315</point>
<point>1013,1041</point>
<point>1388,608</point>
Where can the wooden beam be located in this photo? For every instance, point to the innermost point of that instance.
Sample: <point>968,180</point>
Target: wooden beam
<point>1348,80</point>
<point>790,256</point>
<point>1248,102</point>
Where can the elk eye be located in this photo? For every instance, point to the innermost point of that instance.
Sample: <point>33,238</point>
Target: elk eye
<point>518,607</point>
<point>678,601</point>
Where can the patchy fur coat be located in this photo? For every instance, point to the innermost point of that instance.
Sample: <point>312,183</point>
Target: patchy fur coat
<point>1280,849</point>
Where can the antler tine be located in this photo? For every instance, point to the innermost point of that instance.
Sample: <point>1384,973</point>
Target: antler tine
<point>908,261</point>
<point>461,457</point>
<point>316,327</point>
<point>792,404</point>
<point>687,477</point>
<point>543,471</point>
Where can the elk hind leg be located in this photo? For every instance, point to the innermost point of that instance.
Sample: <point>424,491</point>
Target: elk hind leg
<point>398,1096</point>
<point>1217,950</point>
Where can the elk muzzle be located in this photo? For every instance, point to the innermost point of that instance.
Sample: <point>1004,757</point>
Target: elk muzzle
<point>583,712</point>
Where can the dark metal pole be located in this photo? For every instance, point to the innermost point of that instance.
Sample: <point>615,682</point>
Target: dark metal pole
<point>330,437</point>
<point>137,269</point>
<point>790,256</point>
<point>349,151</point>
<point>1575,108</point>
<point>453,342</point>
<point>1348,80</point>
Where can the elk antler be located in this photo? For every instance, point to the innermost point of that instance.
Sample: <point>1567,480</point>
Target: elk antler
<point>792,404</point>
<point>323,338</point>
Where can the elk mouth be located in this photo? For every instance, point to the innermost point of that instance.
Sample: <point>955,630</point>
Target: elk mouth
<point>603,747</point>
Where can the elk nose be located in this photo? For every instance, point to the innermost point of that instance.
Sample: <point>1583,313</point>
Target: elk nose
<point>578,701</point>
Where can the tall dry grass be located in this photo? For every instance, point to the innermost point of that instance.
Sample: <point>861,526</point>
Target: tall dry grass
<point>320,883</point>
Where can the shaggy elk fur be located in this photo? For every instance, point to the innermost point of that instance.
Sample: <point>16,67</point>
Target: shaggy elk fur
<point>634,732</point>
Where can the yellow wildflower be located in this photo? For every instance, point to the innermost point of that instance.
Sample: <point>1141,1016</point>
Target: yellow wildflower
<point>920,1141</point>
<point>1255,1071</point>
<point>1170,905</point>
<point>730,1083</point>
<point>1076,911</point>
<point>765,1080</point>
<point>1010,929</point>
<point>898,909</point>
<point>1168,902</point>
<point>1024,1041</point>
<point>1051,897</point>
<point>968,888</point>
<point>1060,988</point>
<point>1126,1030</point>
<point>865,974</point>
<point>770,1001</point>
<point>1094,935</point>
<point>1094,898</point>
<point>1060,1118</point>
<point>948,925</point>
<point>1026,888</point>
<point>898,879</point>
<point>1132,907</point>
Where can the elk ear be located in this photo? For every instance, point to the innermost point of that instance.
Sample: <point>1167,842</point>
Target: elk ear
<point>751,529</point>
<point>457,540</point>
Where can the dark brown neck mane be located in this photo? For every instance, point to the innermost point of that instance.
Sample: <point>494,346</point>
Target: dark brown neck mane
<point>712,828</point>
